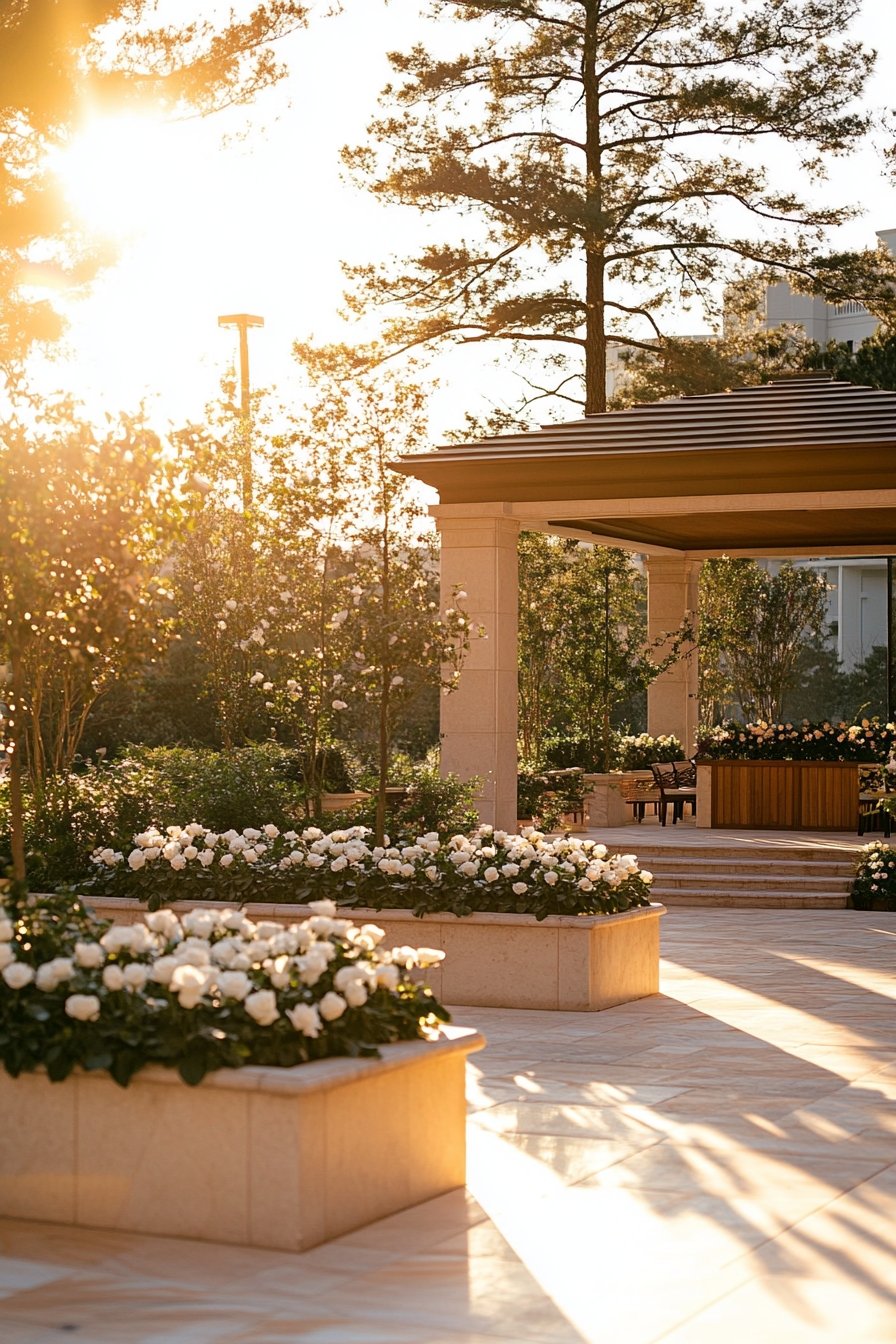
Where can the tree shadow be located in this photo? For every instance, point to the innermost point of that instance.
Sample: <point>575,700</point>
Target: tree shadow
<point>709,1127</point>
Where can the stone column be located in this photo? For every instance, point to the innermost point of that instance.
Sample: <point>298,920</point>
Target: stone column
<point>672,705</point>
<point>479,719</point>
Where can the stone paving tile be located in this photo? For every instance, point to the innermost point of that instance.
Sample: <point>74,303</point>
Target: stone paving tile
<point>714,1162</point>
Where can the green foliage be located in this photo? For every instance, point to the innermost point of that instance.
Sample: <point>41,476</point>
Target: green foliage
<point>546,136</point>
<point>547,797</point>
<point>754,627</point>
<point>874,884</point>
<point>105,802</point>
<point>74,992</point>
<point>583,650</point>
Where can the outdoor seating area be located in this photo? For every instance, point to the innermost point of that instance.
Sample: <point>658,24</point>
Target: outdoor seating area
<point>715,1162</point>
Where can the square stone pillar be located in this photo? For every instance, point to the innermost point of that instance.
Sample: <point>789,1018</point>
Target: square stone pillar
<point>478,721</point>
<point>672,704</point>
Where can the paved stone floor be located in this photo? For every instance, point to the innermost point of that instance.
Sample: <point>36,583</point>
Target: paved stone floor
<point>713,1164</point>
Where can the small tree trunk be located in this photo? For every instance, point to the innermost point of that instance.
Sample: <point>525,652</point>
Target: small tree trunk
<point>16,806</point>
<point>383,760</point>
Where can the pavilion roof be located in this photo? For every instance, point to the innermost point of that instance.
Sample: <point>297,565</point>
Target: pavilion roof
<point>801,432</point>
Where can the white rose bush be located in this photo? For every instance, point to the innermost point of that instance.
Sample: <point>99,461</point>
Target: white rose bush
<point>874,883</point>
<point>488,870</point>
<point>209,990</point>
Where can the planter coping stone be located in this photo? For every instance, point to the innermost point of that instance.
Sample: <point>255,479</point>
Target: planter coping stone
<point>369,916</point>
<point>318,1075</point>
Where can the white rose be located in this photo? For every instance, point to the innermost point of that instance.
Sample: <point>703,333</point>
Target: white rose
<point>178,862</point>
<point>314,861</point>
<point>89,955</point>
<point>190,852</point>
<point>233,919</point>
<point>162,970</point>
<point>6,929</point>
<point>7,956</point>
<point>387,976</point>
<point>135,975</point>
<point>113,978</point>
<point>306,1019</point>
<point>519,888</point>
<point>551,878</point>
<point>206,857</point>
<point>271,831</point>
<point>250,855</point>
<point>83,1007</point>
<point>52,973</point>
<point>355,994</point>
<point>279,973</point>
<point>119,938</point>
<point>262,1007</point>
<point>233,984</point>
<point>338,864</point>
<point>491,874</point>
<point>429,956</point>
<point>332,1006</point>
<point>18,975</point>
<point>164,922</point>
<point>189,982</point>
<point>136,859</point>
<point>226,860</point>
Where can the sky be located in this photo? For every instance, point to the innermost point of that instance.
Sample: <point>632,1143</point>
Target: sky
<point>247,212</point>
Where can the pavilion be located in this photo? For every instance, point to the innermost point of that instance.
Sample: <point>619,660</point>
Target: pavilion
<point>801,467</point>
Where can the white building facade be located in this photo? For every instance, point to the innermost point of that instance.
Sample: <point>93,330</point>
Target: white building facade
<point>857,589</point>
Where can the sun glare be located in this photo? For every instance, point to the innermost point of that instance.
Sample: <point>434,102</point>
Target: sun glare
<point>119,174</point>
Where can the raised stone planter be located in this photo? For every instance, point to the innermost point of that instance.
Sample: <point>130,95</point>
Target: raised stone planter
<point>283,1158</point>
<point>578,963</point>
<point>604,804</point>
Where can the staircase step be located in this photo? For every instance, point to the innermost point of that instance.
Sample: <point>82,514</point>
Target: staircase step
<point>749,875</point>
<point>748,867</point>
<point>775,900</point>
<point>746,882</point>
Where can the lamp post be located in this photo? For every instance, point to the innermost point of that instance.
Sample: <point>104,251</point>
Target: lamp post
<point>242,322</point>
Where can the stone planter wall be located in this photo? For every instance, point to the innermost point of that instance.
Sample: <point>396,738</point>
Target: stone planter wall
<point>283,1158</point>
<point>604,804</point>
<point>578,963</point>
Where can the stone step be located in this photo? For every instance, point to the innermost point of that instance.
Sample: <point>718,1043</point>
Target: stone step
<point>811,868</point>
<point>746,882</point>
<point>776,900</point>
<point>681,855</point>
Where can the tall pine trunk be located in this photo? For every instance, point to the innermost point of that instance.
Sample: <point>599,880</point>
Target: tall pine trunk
<point>594,233</point>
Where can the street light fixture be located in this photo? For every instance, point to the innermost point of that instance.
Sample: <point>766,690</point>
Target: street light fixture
<point>243,321</point>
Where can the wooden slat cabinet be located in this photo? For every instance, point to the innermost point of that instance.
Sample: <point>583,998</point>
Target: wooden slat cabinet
<point>785,795</point>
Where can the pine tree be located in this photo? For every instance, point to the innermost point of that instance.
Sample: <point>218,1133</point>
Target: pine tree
<point>602,155</point>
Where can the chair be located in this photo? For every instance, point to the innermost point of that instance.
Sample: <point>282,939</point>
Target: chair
<point>672,792</point>
<point>872,792</point>
<point>637,793</point>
